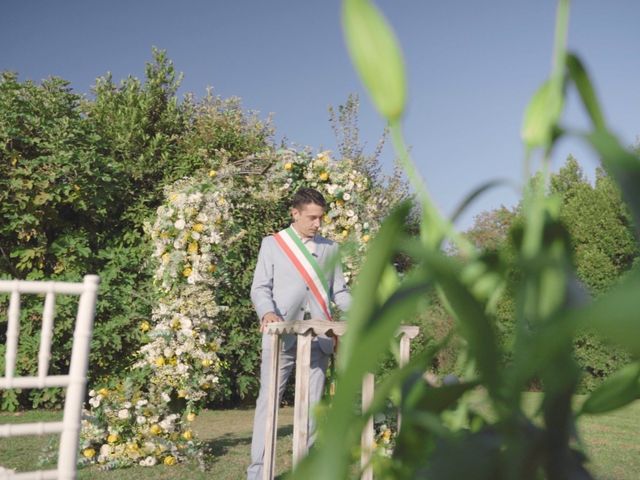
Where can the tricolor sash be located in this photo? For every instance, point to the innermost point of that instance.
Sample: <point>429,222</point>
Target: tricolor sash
<point>308,267</point>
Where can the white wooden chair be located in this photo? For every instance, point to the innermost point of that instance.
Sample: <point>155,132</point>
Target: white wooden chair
<point>74,382</point>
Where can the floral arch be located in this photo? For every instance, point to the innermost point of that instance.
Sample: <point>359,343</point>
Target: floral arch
<point>147,419</point>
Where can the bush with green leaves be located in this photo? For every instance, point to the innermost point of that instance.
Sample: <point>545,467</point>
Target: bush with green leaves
<point>444,435</point>
<point>78,179</point>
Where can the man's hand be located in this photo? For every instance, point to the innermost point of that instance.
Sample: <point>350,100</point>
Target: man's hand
<point>270,318</point>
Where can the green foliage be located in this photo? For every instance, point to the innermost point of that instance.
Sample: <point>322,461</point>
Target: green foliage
<point>79,178</point>
<point>444,435</point>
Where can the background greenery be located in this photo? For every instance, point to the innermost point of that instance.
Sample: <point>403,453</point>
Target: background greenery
<point>79,178</point>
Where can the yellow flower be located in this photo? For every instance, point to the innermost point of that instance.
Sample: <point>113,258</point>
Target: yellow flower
<point>182,393</point>
<point>104,392</point>
<point>206,386</point>
<point>212,268</point>
<point>191,417</point>
<point>365,238</point>
<point>387,434</point>
<point>324,176</point>
<point>187,271</point>
<point>165,258</point>
<point>175,323</point>
<point>113,438</point>
<point>288,166</point>
<point>212,173</point>
<point>187,435</point>
<point>159,361</point>
<point>340,202</point>
<point>155,429</point>
<point>170,460</point>
<point>198,227</point>
<point>207,362</point>
<point>192,248</point>
<point>173,197</point>
<point>89,453</point>
<point>133,447</point>
<point>345,232</point>
<point>173,361</point>
<point>145,326</point>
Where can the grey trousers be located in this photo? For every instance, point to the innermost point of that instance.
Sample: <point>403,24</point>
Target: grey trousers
<point>319,362</point>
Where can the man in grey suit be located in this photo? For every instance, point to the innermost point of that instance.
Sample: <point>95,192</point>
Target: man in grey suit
<point>283,290</point>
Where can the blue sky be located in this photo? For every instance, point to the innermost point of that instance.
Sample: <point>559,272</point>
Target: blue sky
<point>472,68</point>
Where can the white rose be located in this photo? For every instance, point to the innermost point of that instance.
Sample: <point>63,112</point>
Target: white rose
<point>123,414</point>
<point>179,224</point>
<point>346,197</point>
<point>141,419</point>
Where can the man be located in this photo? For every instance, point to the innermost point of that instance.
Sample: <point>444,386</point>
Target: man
<point>291,282</point>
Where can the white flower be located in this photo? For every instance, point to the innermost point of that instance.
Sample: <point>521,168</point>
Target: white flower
<point>141,420</point>
<point>123,414</point>
<point>346,197</point>
<point>106,450</point>
<point>180,224</point>
<point>148,461</point>
<point>166,397</point>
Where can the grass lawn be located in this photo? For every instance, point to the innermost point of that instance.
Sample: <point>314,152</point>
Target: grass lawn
<point>613,443</point>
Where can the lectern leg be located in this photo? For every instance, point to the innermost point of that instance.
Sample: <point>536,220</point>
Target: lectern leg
<point>269,467</point>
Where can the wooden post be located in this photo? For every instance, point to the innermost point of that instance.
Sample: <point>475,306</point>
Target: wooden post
<point>301,406</point>
<point>405,351</point>
<point>367,439</point>
<point>271,430</point>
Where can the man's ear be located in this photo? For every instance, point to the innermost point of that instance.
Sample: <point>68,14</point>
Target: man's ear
<point>295,213</point>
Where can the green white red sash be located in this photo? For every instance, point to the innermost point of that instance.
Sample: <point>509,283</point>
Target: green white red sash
<point>308,267</point>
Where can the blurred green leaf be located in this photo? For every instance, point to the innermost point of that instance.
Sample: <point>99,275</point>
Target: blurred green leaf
<point>618,390</point>
<point>378,260</point>
<point>580,78</point>
<point>614,315</point>
<point>543,112</point>
<point>542,115</point>
<point>622,165</point>
<point>436,399</point>
<point>376,55</point>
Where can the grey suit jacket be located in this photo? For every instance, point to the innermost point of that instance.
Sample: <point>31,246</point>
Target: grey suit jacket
<point>278,287</point>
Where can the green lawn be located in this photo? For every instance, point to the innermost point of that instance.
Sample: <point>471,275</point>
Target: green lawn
<point>613,442</point>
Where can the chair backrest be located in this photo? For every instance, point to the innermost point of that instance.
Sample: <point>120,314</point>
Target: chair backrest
<point>74,382</point>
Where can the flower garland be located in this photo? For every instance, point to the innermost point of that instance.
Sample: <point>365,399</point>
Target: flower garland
<point>353,211</point>
<point>147,422</point>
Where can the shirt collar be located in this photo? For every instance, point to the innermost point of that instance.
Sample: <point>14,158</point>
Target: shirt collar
<point>304,240</point>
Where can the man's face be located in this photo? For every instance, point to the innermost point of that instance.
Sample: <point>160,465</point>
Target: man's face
<point>307,219</point>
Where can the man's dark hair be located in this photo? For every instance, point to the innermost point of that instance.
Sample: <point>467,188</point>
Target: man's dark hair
<point>305,196</point>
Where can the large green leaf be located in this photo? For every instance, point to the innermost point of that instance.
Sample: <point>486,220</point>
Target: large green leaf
<point>476,326</point>
<point>580,78</point>
<point>542,115</point>
<point>364,301</point>
<point>618,390</point>
<point>376,55</point>
<point>614,315</point>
